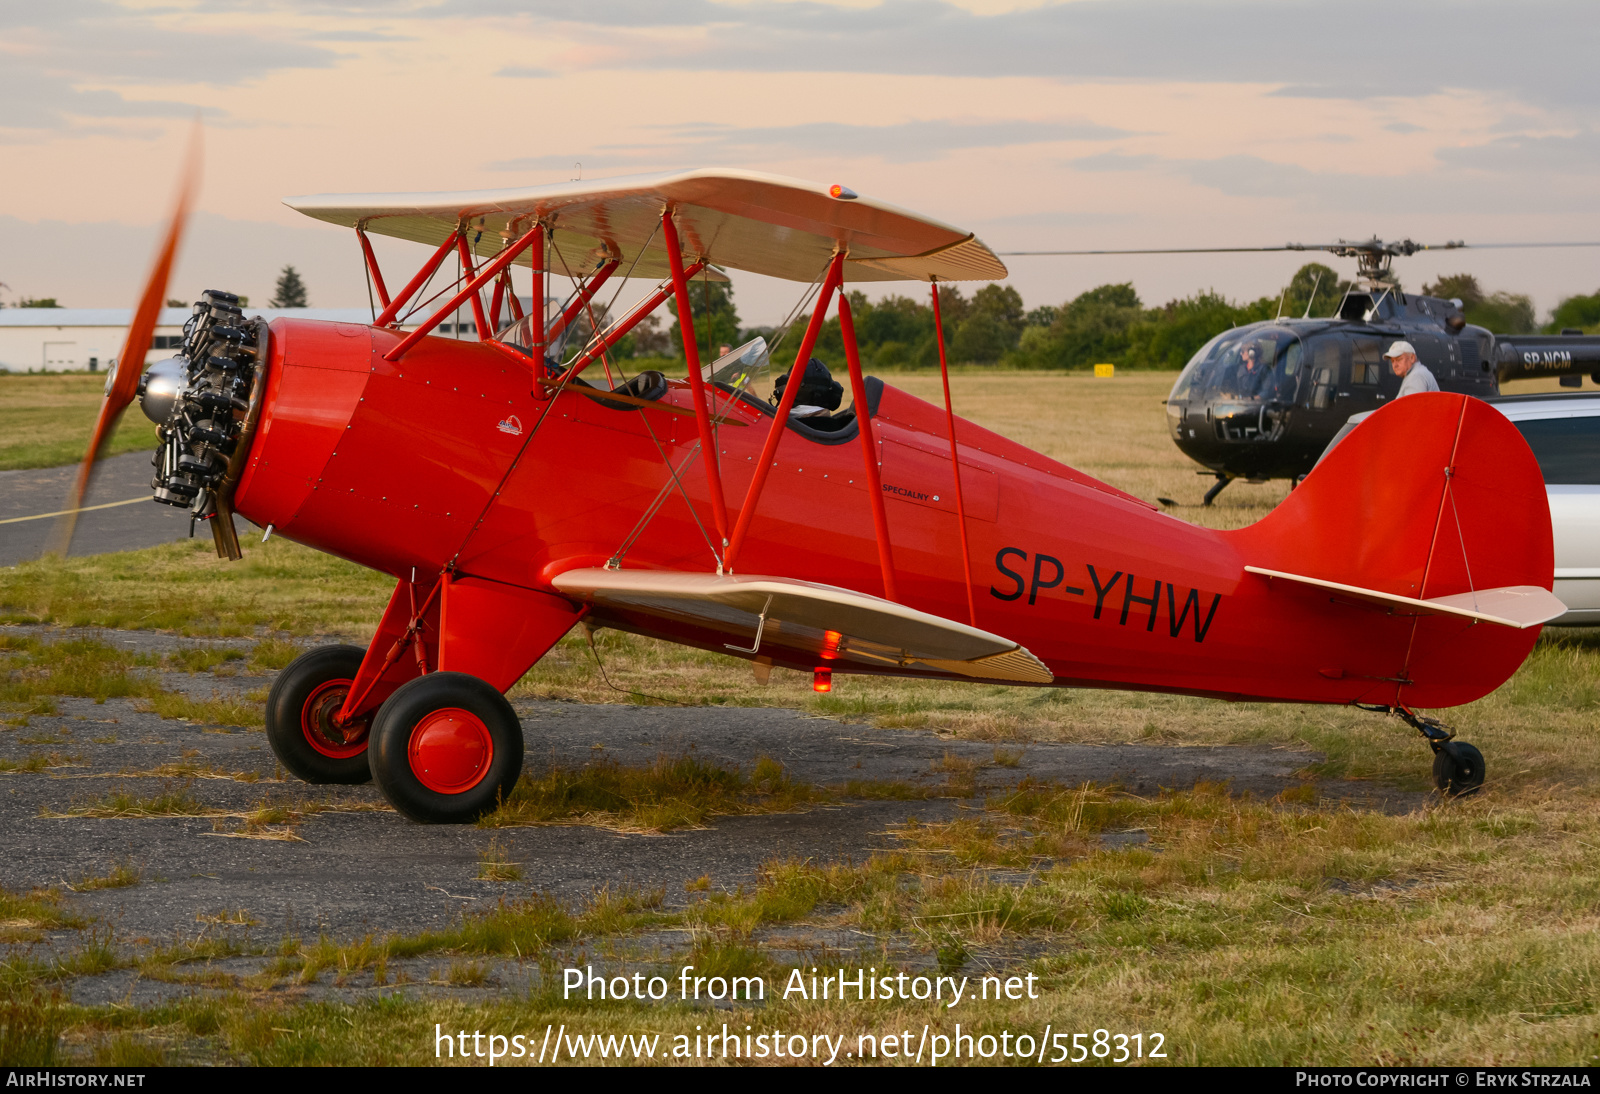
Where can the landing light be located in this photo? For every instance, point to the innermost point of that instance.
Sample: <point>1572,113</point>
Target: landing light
<point>822,680</point>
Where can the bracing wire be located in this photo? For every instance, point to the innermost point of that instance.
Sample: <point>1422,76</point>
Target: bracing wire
<point>595,653</point>
<point>1462,539</point>
<point>618,291</point>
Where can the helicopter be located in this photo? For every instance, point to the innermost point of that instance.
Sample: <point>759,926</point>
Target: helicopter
<point>1263,400</point>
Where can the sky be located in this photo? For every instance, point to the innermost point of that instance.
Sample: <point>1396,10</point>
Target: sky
<point>1038,125</point>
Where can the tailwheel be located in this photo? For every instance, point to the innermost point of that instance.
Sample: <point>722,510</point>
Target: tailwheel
<point>301,724</point>
<point>446,748</point>
<point>1457,769</point>
<point>1457,766</point>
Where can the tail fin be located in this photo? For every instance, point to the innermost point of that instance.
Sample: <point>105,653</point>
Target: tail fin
<point>1434,496</point>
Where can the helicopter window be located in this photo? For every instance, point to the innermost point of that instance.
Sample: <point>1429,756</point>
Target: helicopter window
<point>1355,306</point>
<point>1324,370</point>
<point>1256,364</point>
<point>1366,361</point>
<point>1194,371</point>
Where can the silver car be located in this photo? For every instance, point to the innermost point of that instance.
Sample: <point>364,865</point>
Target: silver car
<point>1564,433</point>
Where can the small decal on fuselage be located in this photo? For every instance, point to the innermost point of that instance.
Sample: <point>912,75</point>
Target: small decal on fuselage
<point>1048,572</point>
<point>914,495</point>
<point>510,425</point>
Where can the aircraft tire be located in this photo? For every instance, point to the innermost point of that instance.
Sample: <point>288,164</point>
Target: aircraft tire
<point>446,748</point>
<point>303,698</point>
<point>1457,769</point>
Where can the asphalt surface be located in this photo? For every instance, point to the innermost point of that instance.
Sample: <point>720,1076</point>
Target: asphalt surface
<point>358,869</point>
<point>143,523</point>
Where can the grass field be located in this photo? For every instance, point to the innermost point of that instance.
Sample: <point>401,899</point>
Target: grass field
<point>1306,929</point>
<point>46,420</point>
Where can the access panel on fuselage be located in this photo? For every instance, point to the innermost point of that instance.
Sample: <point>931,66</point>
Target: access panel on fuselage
<point>429,441</point>
<point>588,477</point>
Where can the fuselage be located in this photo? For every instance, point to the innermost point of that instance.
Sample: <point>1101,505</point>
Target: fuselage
<point>445,460</point>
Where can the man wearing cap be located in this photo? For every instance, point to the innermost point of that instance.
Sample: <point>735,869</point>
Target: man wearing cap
<point>1414,375</point>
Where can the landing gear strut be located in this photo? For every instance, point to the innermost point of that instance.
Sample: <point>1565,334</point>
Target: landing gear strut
<point>1457,766</point>
<point>1222,482</point>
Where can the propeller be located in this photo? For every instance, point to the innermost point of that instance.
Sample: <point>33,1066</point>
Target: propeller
<point>123,382</point>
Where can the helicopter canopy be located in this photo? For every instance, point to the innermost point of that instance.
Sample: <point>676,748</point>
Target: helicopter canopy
<point>766,224</point>
<point>1256,364</point>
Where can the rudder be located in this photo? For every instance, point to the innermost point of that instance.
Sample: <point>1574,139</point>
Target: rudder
<point>1434,495</point>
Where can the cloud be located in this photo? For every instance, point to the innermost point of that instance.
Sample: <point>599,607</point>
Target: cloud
<point>61,55</point>
<point>1366,49</point>
<point>567,164</point>
<point>36,99</point>
<point>1115,161</point>
<point>355,36</point>
<point>526,72</point>
<point>1448,191</point>
<point>906,142</point>
<point>1578,154</point>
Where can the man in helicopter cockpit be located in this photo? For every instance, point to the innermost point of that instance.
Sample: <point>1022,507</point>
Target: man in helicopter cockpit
<point>1251,377</point>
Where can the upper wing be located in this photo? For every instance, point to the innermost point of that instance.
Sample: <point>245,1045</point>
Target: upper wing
<point>808,621</point>
<point>1519,606</point>
<point>767,224</point>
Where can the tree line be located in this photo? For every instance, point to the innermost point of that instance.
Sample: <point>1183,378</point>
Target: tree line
<point>1109,323</point>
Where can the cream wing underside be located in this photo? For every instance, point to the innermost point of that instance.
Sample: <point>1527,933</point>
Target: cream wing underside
<point>814,621</point>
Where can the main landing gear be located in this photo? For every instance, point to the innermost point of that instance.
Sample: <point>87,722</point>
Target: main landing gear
<point>445,748</point>
<point>1457,766</point>
<point>300,718</point>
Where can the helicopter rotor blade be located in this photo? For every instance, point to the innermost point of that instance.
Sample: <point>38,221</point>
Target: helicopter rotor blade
<point>1375,246</point>
<point>1160,251</point>
<point>123,383</point>
<point>1510,246</point>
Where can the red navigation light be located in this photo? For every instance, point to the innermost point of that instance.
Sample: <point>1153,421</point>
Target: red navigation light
<point>842,192</point>
<point>822,680</point>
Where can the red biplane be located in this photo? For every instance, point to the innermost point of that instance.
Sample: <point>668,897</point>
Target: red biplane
<point>514,488</point>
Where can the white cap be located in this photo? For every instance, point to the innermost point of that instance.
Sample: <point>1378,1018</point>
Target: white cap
<point>1399,348</point>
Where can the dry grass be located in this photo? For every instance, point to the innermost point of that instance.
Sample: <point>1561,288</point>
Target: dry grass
<point>33,672</point>
<point>269,819</point>
<point>494,863</point>
<point>184,587</point>
<point>674,792</point>
<point>1244,932</point>
<point>121,875</point>
<point>48,419</point>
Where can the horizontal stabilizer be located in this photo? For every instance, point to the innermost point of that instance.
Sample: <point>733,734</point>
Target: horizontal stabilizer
<point>816,622</point>
<point>1518,606</point>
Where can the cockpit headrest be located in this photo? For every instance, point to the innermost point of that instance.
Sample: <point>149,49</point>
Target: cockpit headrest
<point>817,387</point>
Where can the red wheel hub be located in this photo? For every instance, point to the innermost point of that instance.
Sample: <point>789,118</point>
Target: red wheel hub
<point>451,750</point>
<point>322,732</point>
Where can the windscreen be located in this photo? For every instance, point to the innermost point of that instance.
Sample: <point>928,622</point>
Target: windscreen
<point>518,333</point>
<point>1253,365</point>
<point>747,368</point>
